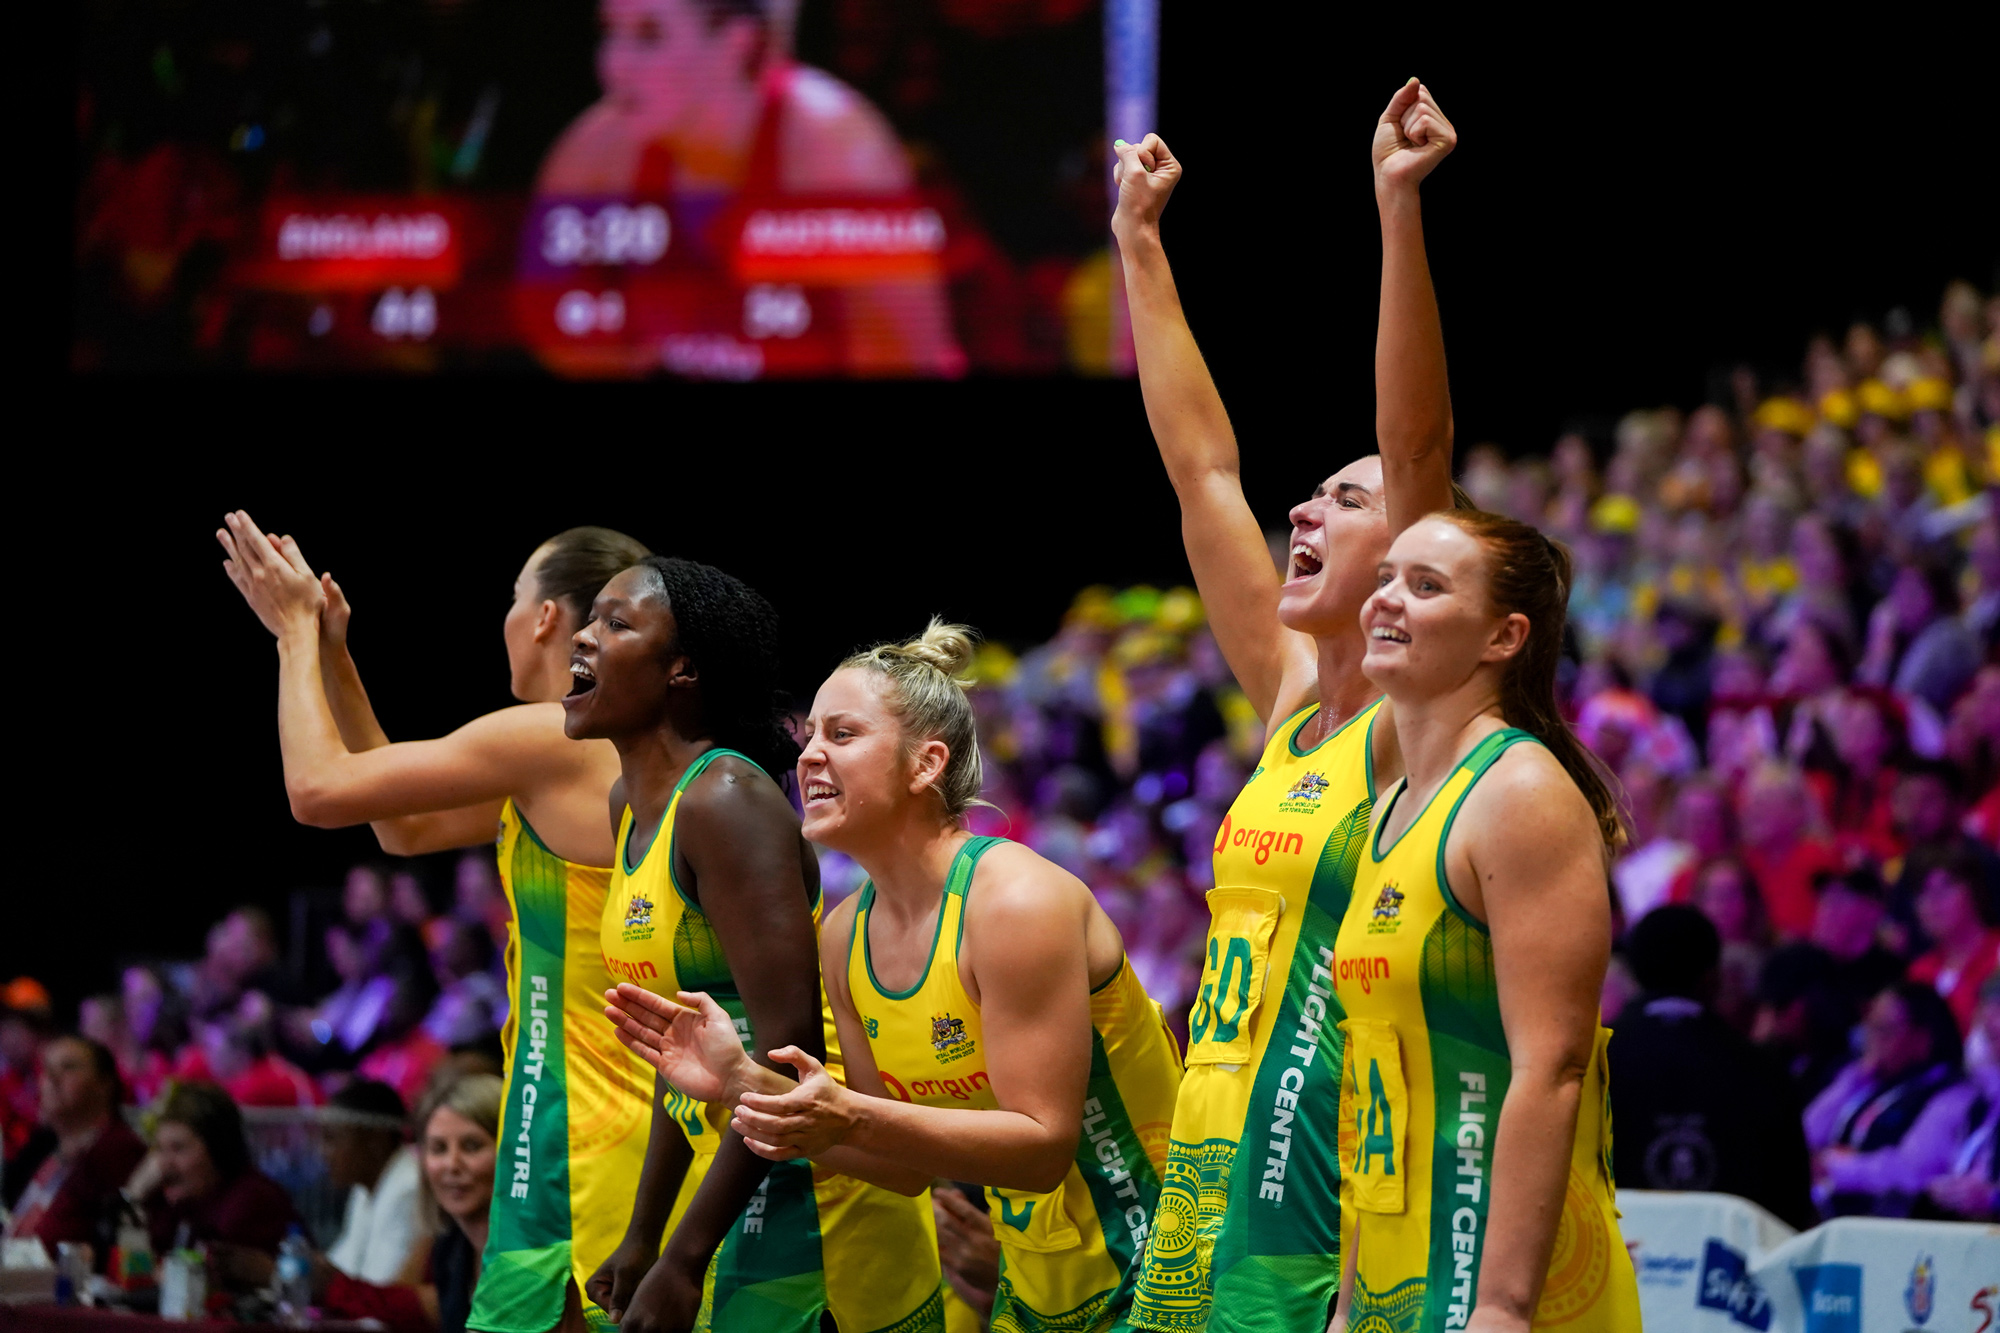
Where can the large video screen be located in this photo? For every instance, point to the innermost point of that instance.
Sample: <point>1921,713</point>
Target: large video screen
<point>707,189</point>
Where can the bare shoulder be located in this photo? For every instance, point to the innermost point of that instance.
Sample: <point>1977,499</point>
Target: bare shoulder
<point>732,796</point>
<point>836,140</point>
<point>594,155</point>
<point>1015,887</point>
<point>1525,805</point>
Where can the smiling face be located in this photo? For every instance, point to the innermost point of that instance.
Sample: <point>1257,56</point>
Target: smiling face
<point>458,1163</point>
<point>1338,536</point>
<point>622,669</point>
<point>857,773</point>
<point>1430,625</point>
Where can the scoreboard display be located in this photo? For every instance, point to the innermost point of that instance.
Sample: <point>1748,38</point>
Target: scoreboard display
<point>744,194</point>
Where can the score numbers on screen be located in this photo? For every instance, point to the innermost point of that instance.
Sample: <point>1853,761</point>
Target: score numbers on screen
<point>609,234</point>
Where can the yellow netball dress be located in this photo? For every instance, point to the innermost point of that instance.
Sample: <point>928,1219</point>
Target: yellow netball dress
<point>1068,1259</point>
<point>1425,1075</point>
<point>1248,1236</point>
<point>809,1239</point>
<point>574,1119</point>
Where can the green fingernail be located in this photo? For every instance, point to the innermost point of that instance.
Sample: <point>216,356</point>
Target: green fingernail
<point>1119,143</point>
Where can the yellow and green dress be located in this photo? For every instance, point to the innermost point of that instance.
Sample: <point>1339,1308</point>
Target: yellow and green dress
<point>809,1239</point>
<point>1425,1074</point>
<point>574,1114</point>
<point>1068,1258</point>
<point>1249,1231</point>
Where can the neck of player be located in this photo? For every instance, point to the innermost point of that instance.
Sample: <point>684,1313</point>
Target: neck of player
<point>1343,690</point>
<point>651,763</point>
<point>908,865</point>
<point>1437,731</point>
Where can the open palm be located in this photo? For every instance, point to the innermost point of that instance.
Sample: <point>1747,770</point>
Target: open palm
<point>693,1045</point>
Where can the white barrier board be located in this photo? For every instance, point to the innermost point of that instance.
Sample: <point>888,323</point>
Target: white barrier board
<point>1711,1263</point>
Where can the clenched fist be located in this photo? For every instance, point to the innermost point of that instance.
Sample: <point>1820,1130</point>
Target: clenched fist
<point>1411,138</point>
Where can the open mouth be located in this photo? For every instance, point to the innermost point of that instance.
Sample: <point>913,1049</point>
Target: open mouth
<point>581,679</point>
<point>1388,634</point>
<point>1305,561</point>
<point>817,791</point>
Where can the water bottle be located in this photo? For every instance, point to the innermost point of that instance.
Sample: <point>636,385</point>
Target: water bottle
<point>294,1279</point>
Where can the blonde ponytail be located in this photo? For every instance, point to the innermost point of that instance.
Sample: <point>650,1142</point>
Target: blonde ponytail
<point>927,694</point>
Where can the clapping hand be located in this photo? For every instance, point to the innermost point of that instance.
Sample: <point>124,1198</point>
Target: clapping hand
<point>803,1122</point>
<point>693,1044</point>
<point>1411,138</point>
<point>271,573</point>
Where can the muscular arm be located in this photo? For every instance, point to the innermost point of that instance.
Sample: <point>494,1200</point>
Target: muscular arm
<point>739,840</point>
<point>1413,423</point>
<point>1531,861</point>
<point>1225,546</point>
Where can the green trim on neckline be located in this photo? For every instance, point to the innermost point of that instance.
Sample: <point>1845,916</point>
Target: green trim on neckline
<point>1507,739</point>
<point>1474,756</point>
<point>1292,740</point>
<point>957,880</point>
<point>694,770</point>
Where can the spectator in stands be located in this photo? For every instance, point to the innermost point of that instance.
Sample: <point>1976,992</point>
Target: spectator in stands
<point>364,896</point>
<point>477,896</point>
<point>22,1030</point>
<point>1957,916</point>
<point>1847,925</point>
<point>1910,1052</point>
<point>199,1179</point>
<point>1724,894</point>
<point>94,1153</point>
<point>1968,1188</point>
<point>404,1054</point>
<point>235,1049</point>
<point>471,1000</point>
<point>1916,642</point>
<point>410,905</point>
<point>1801,1018</point>
<point>366,1155</point>
<point>1697,1107</point>
<point>156,1020</point>
<point>1782,848</point>
<point>1929,809</point>
<point>242,956</point>
<point>102,1019</point>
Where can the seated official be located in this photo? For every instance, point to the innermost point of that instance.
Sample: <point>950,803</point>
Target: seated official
<point>1968,1187</point>
<point>76,1187</point>
<point>458,1146</point>
<point>199,1177</point>
<point>366,1155</point>
<point>1910,1055</point>
<point>1697,1107</point>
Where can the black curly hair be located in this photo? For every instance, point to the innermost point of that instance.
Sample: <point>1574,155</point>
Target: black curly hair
<point>730,633</point>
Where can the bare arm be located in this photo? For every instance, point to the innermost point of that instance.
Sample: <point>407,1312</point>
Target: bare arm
<point>1530,860</point>
<point>1413,424</point>
<point>1225,546</point>
<point>330,784</point>
<point>1034,1001</point>
<point>738,840</point>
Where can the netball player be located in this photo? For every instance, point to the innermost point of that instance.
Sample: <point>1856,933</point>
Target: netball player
<point>704,108</point>
<point>575,1101</point>
<point>713,888</point>
<point>1248,1235</point>
<point>992,1029</point>
<point>1477,1138</point>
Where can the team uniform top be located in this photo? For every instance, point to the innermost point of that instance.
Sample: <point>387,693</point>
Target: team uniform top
<point>574,1118</point>
<point>1248,1236</point>
<point>809,1239</point>
<point>1068,1258</point>
<point>1424,1079</point>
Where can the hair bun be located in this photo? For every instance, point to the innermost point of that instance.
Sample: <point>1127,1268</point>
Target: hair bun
<point>948,648</point>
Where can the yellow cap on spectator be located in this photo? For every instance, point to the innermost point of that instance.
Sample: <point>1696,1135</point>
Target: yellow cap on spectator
<point>1881,400</point>
<point>1864,473</point>
<point>1615,514</point>
<point>1094,607</point>
<point>1786,414</point>
<point>1929,394</point>
<point>1179,611</point>
<point>1839,407</point>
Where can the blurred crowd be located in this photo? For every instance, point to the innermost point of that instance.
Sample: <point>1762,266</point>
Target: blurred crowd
<point>1783,647</point>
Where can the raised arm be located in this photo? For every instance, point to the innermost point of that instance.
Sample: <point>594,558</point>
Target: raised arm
<point>1225,545</point>
<point>1413,426</point>
<point>331,785</point>
<point>1528,856</point>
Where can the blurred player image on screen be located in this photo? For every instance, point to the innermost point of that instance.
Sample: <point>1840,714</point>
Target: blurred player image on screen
<point>725,213</point>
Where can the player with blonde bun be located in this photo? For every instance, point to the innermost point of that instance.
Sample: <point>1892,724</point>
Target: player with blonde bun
<point>992,1028</point>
